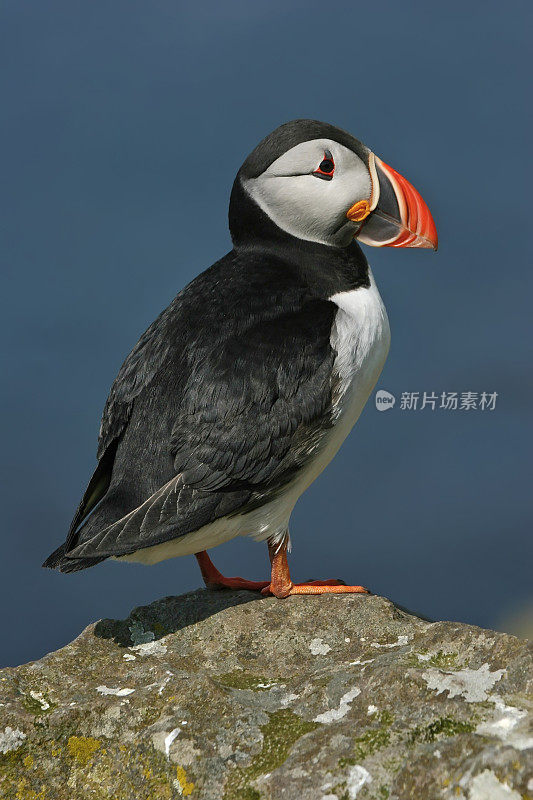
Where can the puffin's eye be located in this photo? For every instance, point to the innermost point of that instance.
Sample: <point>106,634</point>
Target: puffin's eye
<point>326,168</point>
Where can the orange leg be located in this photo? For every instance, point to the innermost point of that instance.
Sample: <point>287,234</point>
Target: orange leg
<point>281,585</point>
<point>214,579</point>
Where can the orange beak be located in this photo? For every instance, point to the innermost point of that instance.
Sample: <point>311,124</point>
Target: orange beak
<point>399,217</point>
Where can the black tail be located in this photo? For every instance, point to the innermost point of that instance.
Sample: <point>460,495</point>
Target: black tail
<point>54,559</point>
<point>96,490</point>
<point>58,560</point>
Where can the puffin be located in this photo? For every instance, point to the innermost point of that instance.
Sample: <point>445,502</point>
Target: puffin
<point>242,391</point>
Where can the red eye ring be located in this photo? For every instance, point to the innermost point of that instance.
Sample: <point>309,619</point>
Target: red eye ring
<point>326,168</point>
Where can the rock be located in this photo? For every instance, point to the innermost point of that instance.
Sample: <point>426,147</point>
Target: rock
<point>229,696</point>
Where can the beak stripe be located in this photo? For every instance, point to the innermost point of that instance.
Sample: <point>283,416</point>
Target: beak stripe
<point>375,181</point>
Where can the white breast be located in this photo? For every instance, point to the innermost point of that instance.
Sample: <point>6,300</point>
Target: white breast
<point>361,338</point>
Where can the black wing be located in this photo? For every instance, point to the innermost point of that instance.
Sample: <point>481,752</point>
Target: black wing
<point>135,374</point>
<point>137,371</point>
<point>222,401</point>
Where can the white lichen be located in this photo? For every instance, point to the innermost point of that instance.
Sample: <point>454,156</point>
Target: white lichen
<point>10,739</point>
<point>319,647</point>
<point>106,690</point>
<point>288,699</point>
<point>40,698</point>
<point>486,785</point>
<point>423,656</point>
<point>139,635</point>
<point>150,649</point>
<point>169,739</point>
<point>472,684</point>
<point>357,777</point>
<point>164,682</point>
<point>505,725</point>
<point>335,714</point>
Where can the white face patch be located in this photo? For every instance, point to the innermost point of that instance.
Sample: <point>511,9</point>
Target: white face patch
<point>308,207</point>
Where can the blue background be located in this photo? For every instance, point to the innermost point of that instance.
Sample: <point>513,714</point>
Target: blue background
<point>123,126</point>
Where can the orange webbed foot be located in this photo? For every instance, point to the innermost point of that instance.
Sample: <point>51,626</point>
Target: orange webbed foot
<point>280,584</point>
<point>332,586</point>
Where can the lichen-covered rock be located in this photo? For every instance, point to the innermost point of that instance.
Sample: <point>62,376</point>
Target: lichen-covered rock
<point>229,696</point>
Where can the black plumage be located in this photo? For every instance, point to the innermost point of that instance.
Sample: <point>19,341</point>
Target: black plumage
<point>226,394</point>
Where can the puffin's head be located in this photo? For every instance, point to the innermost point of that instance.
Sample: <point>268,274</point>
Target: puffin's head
<point>318,183</point>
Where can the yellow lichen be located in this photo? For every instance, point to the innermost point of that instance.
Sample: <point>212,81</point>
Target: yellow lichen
<point>82,748</point>
<point>28,762</point>
<point>25,793</point>
<point>186,787</point>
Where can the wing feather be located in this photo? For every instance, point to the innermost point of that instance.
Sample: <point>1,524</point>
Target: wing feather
<point>232,405</point>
